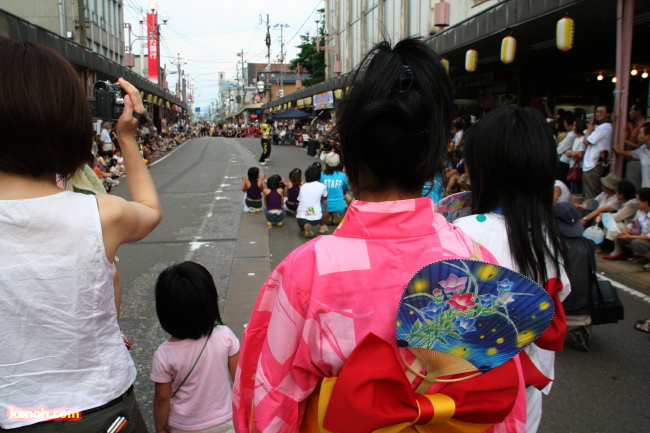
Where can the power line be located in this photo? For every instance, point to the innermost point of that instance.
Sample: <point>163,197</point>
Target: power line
<point>303,24</point>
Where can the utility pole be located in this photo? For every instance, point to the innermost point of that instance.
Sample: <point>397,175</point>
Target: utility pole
<point>282,26</point>
<point>243,77</point>
<point>178,62</point>
<point>268,42</point>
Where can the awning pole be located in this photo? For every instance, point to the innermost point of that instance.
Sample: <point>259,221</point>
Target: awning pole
<point>624,26</point>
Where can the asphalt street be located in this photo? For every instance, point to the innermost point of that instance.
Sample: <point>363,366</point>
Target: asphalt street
<point>601,391</point>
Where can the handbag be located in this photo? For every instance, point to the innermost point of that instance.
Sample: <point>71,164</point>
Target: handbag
<point>606,306</point>
<point>575,173</point>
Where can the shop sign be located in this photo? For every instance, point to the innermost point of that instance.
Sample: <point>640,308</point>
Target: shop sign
<point>324,100</point>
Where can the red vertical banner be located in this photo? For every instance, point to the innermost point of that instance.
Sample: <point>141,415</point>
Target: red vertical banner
<point>153,61</point>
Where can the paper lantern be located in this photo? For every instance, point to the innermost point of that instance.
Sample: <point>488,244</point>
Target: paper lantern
<point>471,60</point>
<point>564,34</point>
<point>445,64</point>
<point>508,47</point>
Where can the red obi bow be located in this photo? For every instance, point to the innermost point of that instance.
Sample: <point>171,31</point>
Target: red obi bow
<point>373,392</point>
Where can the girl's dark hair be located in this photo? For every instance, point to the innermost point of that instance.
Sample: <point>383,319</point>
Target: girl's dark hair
<point>295,176</point>
<point>312,174</point>
<point>396,120</point>
<point>253,173</point>
<point>644,194</point>
<point>511,154</point>
<point>580,124</point>
<point>273,182</point>
<point>187,303</point>
<point>44,115</point>
<point>627,189</point>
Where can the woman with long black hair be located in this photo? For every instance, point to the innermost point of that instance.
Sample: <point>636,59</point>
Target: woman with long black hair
<point>511,157</point>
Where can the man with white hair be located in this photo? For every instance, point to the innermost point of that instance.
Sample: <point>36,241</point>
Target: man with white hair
<point>105,138</point>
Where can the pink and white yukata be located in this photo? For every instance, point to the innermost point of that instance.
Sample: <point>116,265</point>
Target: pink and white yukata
<point>327,295</point>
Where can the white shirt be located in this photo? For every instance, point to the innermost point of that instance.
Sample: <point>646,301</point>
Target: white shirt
<point>60,344</point>
<point>565,194</point>
<point>491,233</point>
<point>643,155</point>
<point>600,139</point>
<point>105,136</point>
<point>309,200</point>
<point>565,145</point>
<point>577,147</point>
<point>611,201</point>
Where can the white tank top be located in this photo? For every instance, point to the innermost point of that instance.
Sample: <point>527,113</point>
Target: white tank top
<point>60,344</point>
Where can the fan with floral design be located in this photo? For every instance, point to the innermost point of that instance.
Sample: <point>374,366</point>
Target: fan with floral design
<point>455,206</point>
<point>461,316</point>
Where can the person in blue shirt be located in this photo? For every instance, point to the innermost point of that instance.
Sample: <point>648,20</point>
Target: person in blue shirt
<point>337,184</point>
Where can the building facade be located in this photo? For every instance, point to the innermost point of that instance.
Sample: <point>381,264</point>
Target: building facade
<point>95,24</point>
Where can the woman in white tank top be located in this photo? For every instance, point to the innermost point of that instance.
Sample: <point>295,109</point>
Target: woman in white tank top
<point>60,345</point>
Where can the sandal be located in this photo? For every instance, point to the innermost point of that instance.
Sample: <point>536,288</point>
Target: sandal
<point>643,327</point>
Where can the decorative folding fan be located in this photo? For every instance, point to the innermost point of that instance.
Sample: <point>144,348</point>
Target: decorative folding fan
<point>595,234</point>
<point>590,204</point>
<point>609,222</point>
<point>462,316</point>
<point>455,206</point>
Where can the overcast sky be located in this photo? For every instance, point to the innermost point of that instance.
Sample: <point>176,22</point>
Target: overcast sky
<point>210,33</point>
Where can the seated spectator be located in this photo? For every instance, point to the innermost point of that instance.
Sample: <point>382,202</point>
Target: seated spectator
<point>607,200</point>
<point>561,192</point>
<point>636,235</point>
<point>626,192</point>
<point>580,253</point>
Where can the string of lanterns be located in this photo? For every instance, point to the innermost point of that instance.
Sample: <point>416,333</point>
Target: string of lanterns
<point>564,32</point>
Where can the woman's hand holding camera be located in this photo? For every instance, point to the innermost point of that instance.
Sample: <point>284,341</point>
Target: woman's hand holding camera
<point>127,124</point>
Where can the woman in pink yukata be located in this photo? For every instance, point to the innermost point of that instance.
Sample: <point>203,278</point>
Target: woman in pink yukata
<point>332,292</point>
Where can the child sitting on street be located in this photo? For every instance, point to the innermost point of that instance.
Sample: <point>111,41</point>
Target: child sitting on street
<point>191,368</point>
<point>311,203</point>
<point>273,201</point>
<point>291,191</point>
<point>253,188</point>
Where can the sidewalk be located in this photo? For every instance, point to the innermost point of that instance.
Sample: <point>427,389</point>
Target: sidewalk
<point>629,274</point>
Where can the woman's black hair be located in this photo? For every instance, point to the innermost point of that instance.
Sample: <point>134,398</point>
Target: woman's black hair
<point>396,120</point>
<point>273,182</point>
<point>627,189</point>
<point>295,176</point>
<point>312,174</point>
<point>510,154</point>
<point>187,303</point>
<point>253,173</point>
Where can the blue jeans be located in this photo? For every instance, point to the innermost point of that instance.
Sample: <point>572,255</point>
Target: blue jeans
<point>272,217</point>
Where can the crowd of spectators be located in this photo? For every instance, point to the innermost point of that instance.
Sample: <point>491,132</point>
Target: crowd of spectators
<point>108,163</point>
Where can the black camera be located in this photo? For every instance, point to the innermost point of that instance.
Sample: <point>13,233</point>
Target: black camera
<point>108,102</point>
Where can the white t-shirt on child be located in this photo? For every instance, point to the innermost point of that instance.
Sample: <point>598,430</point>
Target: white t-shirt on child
<point>309,201</point>
<point>204,400</point>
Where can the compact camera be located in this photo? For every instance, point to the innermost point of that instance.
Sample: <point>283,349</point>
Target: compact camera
<point>108,102</point>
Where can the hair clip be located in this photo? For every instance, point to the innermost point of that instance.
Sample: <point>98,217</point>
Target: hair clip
<point>407,73</point>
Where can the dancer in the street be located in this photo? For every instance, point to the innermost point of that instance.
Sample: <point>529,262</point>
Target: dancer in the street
<point>267,130</point>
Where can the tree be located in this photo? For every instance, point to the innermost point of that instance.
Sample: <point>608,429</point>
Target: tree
<point>309,59</point>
